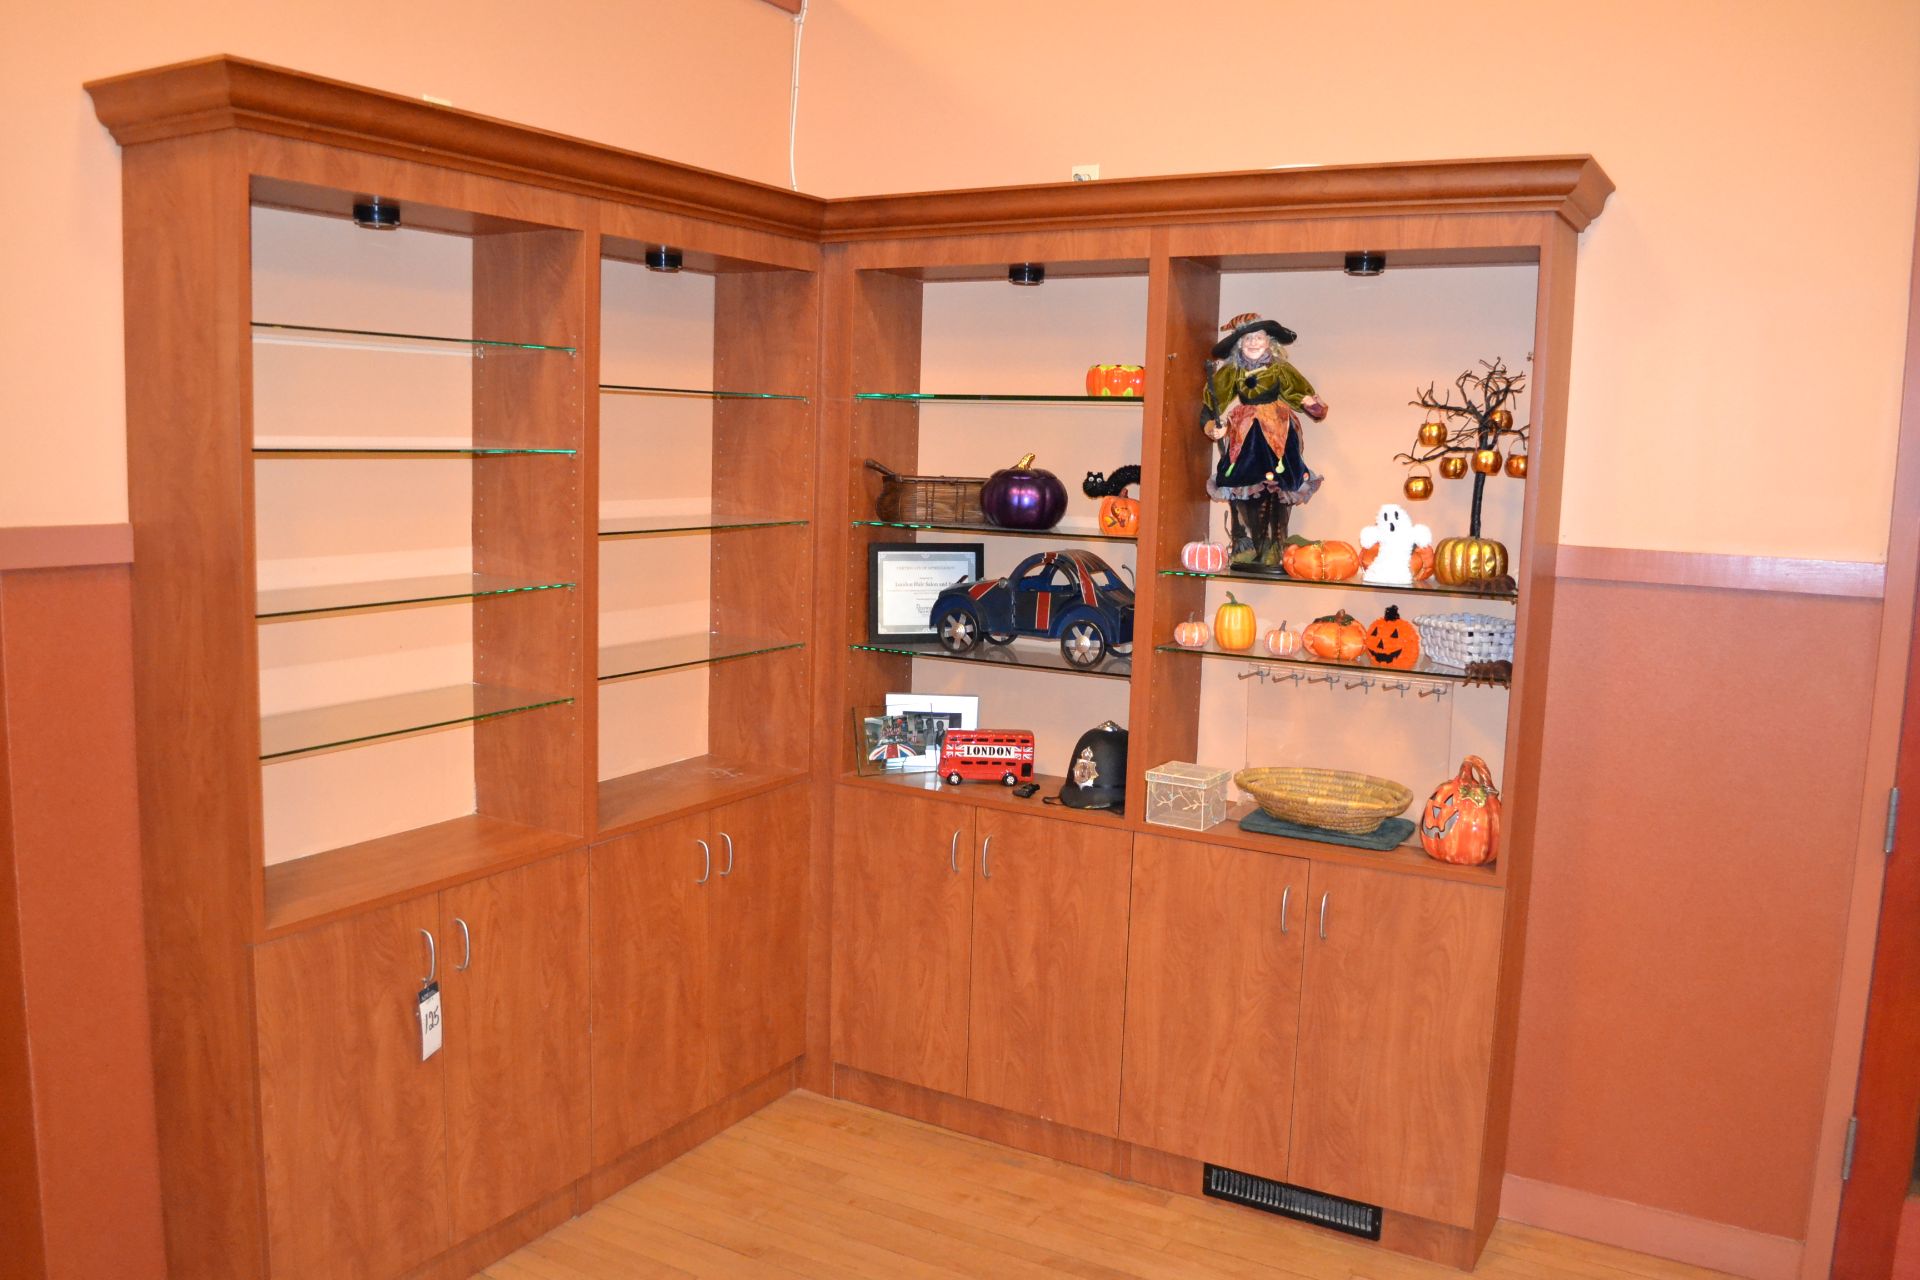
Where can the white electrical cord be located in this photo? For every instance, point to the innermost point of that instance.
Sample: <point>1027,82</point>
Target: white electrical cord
<point>793,100</point>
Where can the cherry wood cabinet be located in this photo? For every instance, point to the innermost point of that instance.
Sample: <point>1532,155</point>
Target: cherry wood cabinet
<point>353,1123</point>
<point>903,929</point>
<point>1215,954</point>
<point>1396,1040</point>
<point>513,951</point>
<point>698,931</point>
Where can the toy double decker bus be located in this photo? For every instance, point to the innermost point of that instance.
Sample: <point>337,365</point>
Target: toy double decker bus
<point>987,755</point>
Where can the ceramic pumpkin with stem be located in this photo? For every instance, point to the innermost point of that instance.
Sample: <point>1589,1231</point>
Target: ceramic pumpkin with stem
<point>1460,822</point>
<point>1234,626</point>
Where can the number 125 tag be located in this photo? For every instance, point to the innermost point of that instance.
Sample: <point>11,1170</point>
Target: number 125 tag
<point>429,1020</point>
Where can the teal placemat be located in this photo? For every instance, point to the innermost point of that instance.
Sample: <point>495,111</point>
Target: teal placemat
<point>1389,834</point>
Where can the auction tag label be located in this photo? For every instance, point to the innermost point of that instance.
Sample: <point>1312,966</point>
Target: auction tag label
<point>429,1020</point>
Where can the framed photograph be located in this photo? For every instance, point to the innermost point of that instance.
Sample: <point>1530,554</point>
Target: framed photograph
<point>924,719</point>
<point>904,579</point>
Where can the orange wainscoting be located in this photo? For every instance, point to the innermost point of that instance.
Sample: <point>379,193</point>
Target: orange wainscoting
<point>76,983</point>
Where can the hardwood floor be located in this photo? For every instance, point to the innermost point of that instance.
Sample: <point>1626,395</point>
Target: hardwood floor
<point>815,1187</point>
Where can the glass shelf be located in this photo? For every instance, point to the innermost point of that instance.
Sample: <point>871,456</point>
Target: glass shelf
<point>1423,669</point>
<point>644,657</point>
<point>704,393</point>
<point>1058,532</point>
<point>371,449</point>
<point>295,732</point>
<point>295,602</point>
<point>930,397</point>
<point>1031,656</point>
<point>648,526</point>
<point>381,340</point>
<point>1354,583</point>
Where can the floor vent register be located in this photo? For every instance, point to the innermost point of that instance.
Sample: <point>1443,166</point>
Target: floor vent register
<point>1317,1207</point>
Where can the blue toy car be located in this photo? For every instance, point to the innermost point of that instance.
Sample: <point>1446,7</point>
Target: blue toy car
<point>1074,597</point>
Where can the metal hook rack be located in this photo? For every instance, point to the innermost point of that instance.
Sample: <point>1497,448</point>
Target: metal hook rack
<point>1365,681</point>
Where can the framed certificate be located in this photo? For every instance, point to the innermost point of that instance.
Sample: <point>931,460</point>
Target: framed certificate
<point>904,578</point>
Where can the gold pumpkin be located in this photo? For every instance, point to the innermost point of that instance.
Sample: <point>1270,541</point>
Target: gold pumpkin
<point>1457,561</point>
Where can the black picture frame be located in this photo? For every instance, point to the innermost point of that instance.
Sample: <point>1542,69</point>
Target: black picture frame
<point>886,562</point>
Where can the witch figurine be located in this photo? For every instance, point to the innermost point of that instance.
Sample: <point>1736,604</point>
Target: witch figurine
<point>1251,410</point>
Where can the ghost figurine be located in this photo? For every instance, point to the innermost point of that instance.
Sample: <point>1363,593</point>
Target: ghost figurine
<point>1392,537</point>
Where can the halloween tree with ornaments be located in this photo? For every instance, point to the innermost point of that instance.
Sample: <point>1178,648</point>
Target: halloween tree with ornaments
<point>1474,433</point>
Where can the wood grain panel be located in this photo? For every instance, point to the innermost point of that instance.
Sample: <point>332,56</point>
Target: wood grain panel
<point>1396,1031</point>
<point>685,1136</point>
<point>465,1259</point>
<point>652,1037</point>
<point>22,1220</point>
<point>355,1124</point>
<point>1215,952</point>
<point>902,929</point>
<point>517,1038</point>
<point>685,786</point>
<point>760,939</point>
<point>63,546</point>
<point>978,1119</point>
<point>1049,949</point>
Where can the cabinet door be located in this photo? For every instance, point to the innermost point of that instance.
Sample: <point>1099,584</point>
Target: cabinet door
<point>652,1038</point>
<point>1049,969</point>
<point>354,1125</point>
<point>902,911</point>
<point>1396,1035</point>
<point>1215,945</point>
<point>759,937</point>
<point>516,1017</point>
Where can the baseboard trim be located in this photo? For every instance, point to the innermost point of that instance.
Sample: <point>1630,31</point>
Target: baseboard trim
<point>1644,1229</point>
<point>64,546</point>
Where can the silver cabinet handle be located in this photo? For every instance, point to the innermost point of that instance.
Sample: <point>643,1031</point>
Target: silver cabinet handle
<point>706,870</point>
<point>433,960</point>
<point>1323,915</point>
<point>728,869</point>
<point>984,873</point>
<point>466,945</point>
<point>1286,896</point>
<point>953,852</point>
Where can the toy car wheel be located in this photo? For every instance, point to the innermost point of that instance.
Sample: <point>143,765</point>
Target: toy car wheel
<point>1007,779</point>
<point>993,639</point>
<point>953,779</point>
<point>1083,644</point>
<point>959,631</point>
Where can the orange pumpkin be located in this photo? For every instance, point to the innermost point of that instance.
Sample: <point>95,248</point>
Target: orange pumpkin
<point>1338,636</point>
<point>1204,557</point>
<point>1321,561</point>
<point>1191,634</point>
<point>1392,641</point>
<point>1234,626</point>
<point>1460,822</point>
<point>1116,380</point>
<point>1282,642</point>
<point>1119,517</point>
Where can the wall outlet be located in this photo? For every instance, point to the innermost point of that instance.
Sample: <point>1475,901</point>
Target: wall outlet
<point>1085,172</point>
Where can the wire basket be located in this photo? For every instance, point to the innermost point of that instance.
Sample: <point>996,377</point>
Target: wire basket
<point>928,499</point>
<point>1333,799</point>
<point>1458,639</point>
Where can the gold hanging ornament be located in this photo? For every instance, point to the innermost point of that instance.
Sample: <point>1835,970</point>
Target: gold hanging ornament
<point>1486,461</point>
<point>1453,467</point>
<point>1517,465</point>
<point>1433,432</point>
<point>1500,420</point>
<point>1419,485</point>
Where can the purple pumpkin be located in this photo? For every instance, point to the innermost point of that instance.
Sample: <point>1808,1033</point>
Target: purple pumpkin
<point>1023,497</point>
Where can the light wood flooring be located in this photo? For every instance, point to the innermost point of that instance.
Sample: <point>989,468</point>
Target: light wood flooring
<point>815,1187</point>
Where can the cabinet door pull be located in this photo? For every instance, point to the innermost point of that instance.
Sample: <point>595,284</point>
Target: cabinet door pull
<point>433,960</point>
<point>728,869</point>
<point>466,946</point>
<point>953,852</point>
<point>984,847</point>
<point>1286,897</point>
<point>1323,915</point>
<point>706,869</point>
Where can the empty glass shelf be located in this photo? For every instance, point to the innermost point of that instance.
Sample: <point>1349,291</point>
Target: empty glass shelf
<point>294,602</point>
<point>1418,588</point>
<point>1058,533</point>
<point>644,526</point>
<point>1032,655</point>
<point>644,657</point>
<point>930,397</point>
<point>1422,669</point>
<point>319,728</point>
<point>705,393</point>
<point>382,340</point>
<point>377,448</point>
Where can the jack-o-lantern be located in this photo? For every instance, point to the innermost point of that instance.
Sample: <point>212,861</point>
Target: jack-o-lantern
<point>1338,636</point>
<point>1119,517</point>
<point>1116,380</point>
<point>1392,641</point>
<point>1234,626</point>
<point>1457,561</point>
<point>1460,823</point>
<point>1191,634</point>
<point>1204,557</point>
<point>1282,642</point>
<point>1330,561</point>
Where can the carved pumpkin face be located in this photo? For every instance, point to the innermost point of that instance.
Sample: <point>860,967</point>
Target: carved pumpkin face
<point>1392,641</point>
<point>1460,823</point>
<point>1119,517</point>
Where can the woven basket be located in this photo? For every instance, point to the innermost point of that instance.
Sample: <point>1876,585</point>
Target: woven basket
<point>1354,803</point>
<point>1457,639</point>
<point>928,499</point>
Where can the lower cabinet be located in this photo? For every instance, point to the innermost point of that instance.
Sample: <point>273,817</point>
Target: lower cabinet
<point>376,1161</point>
<point>698,939</point>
